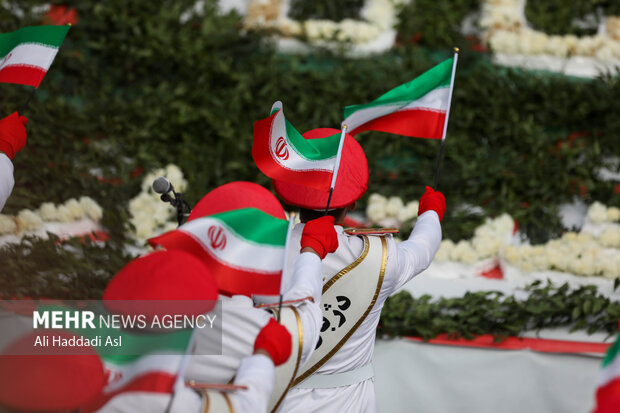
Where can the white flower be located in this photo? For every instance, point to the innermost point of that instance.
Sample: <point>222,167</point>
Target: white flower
<point>610,237</point>
<point>175,176</point>
<point>597,213</point>
<point>613,214</point>
<point>464,252</point>
<point>410,211</point>
<point>28,220</point>
<point>48,212</point>
<point>75,209</point>
<point>7,225</point>
<point>377,199</point>
<point>375,212</point>
<point>289,27</point>
<point>445,251</point>
<point>63,214</point>
<point>91,208</point>
<point>394,205</point>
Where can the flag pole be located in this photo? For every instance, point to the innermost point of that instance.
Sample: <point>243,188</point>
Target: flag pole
<point>336,166</point>
<point>445,124</point>
<point>291,220</point>
<point>25,106</point>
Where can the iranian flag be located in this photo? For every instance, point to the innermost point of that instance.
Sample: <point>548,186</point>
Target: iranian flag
<point>244,248</point>
<point>27,54</point>
<point>608,392</point>
<point>282,153</point>
<point>150,365</point>
<point>418,108</point>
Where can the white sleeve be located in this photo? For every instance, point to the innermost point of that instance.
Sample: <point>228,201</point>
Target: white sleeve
<point>257,374</point>
<point>307,281</point>
<point>409,258</point>
<point>6,179</point>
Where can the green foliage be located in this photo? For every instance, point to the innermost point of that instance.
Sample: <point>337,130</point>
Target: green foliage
<point>52,268</point>
<point>491,312</point>
<point>435,23</point>
<point>325,9</point>
<point>580,17</point>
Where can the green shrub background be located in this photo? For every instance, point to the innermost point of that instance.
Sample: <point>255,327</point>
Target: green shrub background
<point>133,89</point>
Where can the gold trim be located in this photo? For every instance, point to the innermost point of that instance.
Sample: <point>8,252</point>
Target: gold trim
<point>206,395</point>
<point>300,347</point>
<point>337,347</point>
<point>349,267</point>
<point>228,402</point>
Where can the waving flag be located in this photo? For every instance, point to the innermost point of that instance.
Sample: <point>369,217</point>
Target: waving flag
<point>243,248</point>
<point>27,54</point>
<point>282,153</point>
<point>608,392</point>
<point>418,108</point>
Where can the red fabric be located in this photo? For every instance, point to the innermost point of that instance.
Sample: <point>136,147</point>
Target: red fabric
<point>237,195</point>
<point>319,180</point>
<point>153,382</point>
<point>608,397</point>
<point>275,339</point>
<point>163,275</point>
<point>46,382</point>
<point>416,123</point>
<point>520,343</point>
<point>22,75</point>
<point>432,200</point>
<point>229,280</point>
<point>320,235</point>
<point>351,183</point>
<point>12,134</point>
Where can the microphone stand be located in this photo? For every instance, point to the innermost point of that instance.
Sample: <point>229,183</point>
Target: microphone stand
<point>183,208</point>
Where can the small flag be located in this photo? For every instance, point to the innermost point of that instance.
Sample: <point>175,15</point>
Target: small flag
<point>27,54</point>
<point>608,392</point>
<point>243,248</point>
<point>417,108</point>
<point>282,153</point>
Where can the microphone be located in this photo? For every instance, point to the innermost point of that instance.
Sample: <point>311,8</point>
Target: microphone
<point>162,186</point>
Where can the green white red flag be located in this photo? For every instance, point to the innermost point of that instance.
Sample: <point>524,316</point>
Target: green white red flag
<point>27,54</point>
<point>243,248</point>
<point>418,108</point>
<point>282,153</point>
<point>608,392</point>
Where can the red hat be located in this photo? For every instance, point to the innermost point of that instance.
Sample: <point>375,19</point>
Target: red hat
<point>351,183</point>
<point>46,382</point>
<point>238,195</point>
<point>171,275</point>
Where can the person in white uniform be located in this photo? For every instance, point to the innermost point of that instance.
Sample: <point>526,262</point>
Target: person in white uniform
<point>363,272</point>
<point>300,313</point>
<point>12,140</point>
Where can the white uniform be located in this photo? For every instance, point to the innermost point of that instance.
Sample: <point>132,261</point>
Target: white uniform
<point>6,179</point>
<point>404,261</point>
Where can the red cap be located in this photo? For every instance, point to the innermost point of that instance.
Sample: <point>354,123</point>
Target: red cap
<point>163,275</point>
<point>351,183</point>
<point>45,382</point>
<point>238,195</point>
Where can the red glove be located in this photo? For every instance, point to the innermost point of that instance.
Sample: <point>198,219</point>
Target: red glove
<point>434,200</point>
<point>320,235</point>
<point>12,134</point>
<point>275,339</point>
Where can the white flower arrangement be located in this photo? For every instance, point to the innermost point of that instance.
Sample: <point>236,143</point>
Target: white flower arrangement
<point>595,253</point>
<point>149,215</point>
<point>72,210</point>
<point>507,32</point>
<point>378,18</point>
<point>390,212</point>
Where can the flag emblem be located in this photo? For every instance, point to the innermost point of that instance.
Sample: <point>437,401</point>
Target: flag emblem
<point>281,149</point>
<point>217,237</point>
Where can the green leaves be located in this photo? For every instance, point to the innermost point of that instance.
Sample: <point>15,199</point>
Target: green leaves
<point>491,312</point>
